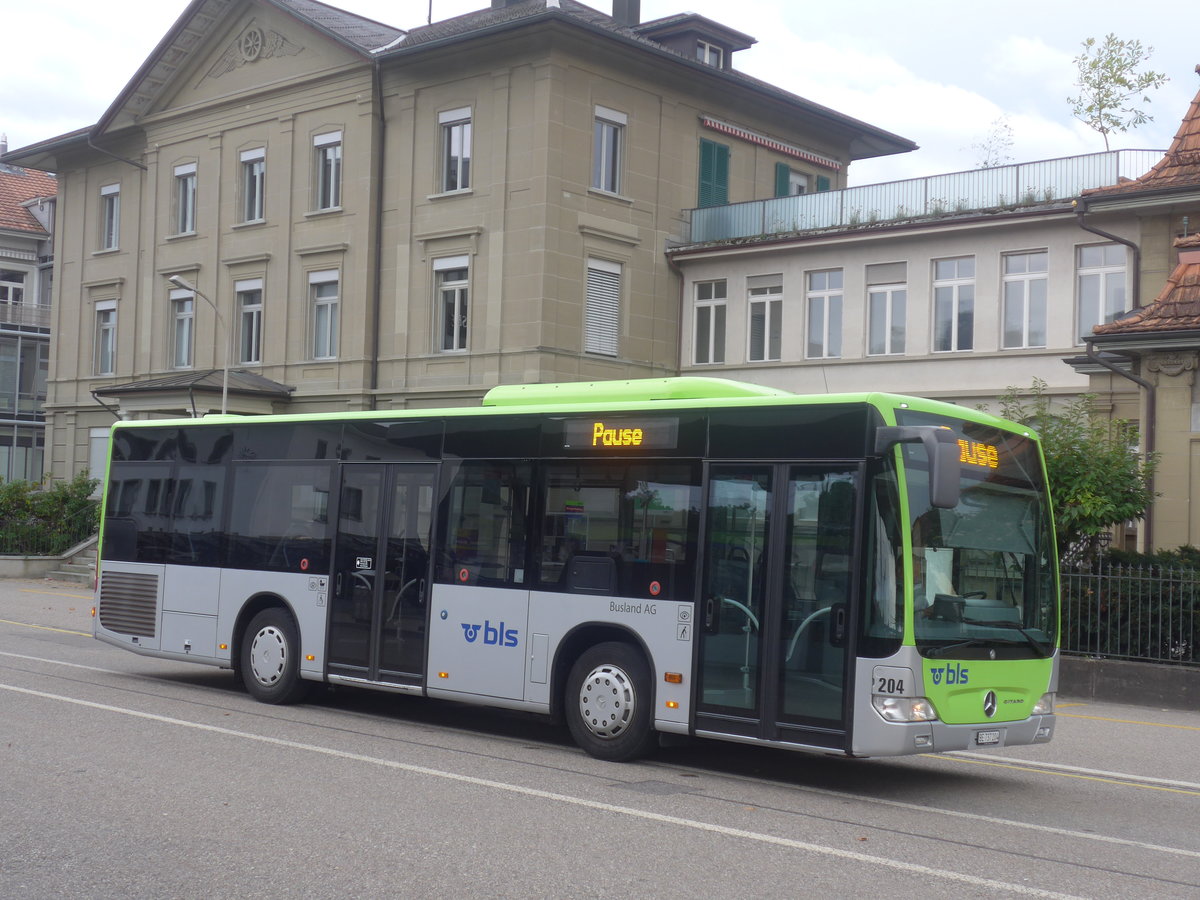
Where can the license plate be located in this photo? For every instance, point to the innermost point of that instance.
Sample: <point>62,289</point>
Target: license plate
<point>983,738</point>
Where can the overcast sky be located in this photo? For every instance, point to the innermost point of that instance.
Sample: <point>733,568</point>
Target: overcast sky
<point>938,72</point>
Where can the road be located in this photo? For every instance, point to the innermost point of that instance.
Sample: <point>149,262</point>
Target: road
<point>129,777</point>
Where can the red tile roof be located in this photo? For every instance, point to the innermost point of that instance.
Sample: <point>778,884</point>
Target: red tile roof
<point>16,186</point>
<point>1179,168</point>
<point>1176,308</point>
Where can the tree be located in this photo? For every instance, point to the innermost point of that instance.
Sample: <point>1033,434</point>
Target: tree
<point>1110,84</point>
<point>1097,477</point>
<point>995,148</point>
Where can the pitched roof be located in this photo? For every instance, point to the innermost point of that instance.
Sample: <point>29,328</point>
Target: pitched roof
<point>240,382</point>
<point>1178,169</point>
<point>366,34</point>
<point>17,186</point>
<point>1176,308</point>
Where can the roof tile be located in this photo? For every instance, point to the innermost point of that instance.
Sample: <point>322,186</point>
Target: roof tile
<point>18,185</point>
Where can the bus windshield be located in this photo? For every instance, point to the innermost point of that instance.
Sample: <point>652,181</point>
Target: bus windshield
<point>982,572</point>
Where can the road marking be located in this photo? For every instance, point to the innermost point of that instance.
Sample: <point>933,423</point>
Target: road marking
<point>45,628</point>
<point>694,824</point>
<point>1140,781</point>
<point>1130,721</point>
<point>59,662</point>
<point>55,593</point>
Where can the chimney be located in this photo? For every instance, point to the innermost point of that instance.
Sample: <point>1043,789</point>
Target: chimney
<point>627,12</point>
<point>3,144</point>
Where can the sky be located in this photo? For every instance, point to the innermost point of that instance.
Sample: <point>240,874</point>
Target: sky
<point>942,73</point>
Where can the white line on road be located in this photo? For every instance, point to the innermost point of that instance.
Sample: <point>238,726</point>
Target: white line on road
<point>713,828</point>
<point>1077,770</point>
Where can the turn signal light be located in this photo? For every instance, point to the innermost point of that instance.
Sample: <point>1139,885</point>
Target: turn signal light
<point>673,678</point>
<point>672,704</point>
<point>443,674</point>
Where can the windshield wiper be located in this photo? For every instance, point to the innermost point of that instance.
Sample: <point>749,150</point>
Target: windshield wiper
<point>985,642</point>
<point>1015,626</point>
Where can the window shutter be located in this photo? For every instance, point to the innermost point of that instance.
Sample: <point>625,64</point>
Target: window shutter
<point>822,182</point>
<point>602,322</point>
<point>714,174</point>
<point>783,175</point>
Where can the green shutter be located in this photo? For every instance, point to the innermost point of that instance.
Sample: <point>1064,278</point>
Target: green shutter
<point>783,178</point>
<point>822,182</point>
<point>714,174</point>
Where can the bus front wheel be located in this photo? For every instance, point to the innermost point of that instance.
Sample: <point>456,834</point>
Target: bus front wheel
<point>609,703</point>
<point>270,659</point>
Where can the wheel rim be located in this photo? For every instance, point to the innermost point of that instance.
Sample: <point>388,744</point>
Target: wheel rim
<point>607,702</point>
<point>268,655</point>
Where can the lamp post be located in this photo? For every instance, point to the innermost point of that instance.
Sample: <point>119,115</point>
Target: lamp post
<point>180,282</point>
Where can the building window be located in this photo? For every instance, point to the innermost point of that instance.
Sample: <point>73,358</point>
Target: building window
<point>765,308</point>
<point>954,304</point>
<point>710,322</point>
<point>250,310</point>
<point>185,199</point>
<point>254,184</point>
<point>110,216</point>
<point>12,290</point>
<point>602,318</point>
<point>789,182</point>
<point>106,338</point>
<point>607,149</point>
<point>1101,275</point>
<point>710,54</point>
<point>1024,281</point>
<point>824,296</point>
<point>183,308</point>
<point>323,293</point>
<point>451,275</point>
<point>714,174</point>
<point>886,308</point>
<point>456,149</point>
<point>328,174</point>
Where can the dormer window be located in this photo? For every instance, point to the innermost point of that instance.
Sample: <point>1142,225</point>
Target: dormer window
<point>710,54</point>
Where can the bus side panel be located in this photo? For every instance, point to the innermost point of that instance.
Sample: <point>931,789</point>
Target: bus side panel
<point>664,627</point>
<point>129,604</point>
<point>305,595</point>
<point>478,640</point>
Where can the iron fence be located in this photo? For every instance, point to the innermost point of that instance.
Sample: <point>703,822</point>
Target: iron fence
<point>1147,613</point>
<point>38,538</point>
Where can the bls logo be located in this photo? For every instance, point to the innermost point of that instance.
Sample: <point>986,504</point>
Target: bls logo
<point>955,674</point>
<point>496,635</point>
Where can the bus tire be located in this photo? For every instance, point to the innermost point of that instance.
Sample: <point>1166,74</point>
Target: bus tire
<point>609,703</point>
<point>270,659</point>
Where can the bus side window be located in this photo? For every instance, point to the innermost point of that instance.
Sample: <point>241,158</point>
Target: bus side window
<point>484,525</point>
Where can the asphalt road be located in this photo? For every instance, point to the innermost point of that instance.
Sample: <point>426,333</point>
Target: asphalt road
<point>129,777</point>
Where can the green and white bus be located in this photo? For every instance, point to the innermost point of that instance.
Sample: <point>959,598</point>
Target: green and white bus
<point>866,574</point>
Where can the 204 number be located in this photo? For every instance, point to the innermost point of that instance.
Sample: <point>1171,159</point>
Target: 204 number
<point>889,685</point>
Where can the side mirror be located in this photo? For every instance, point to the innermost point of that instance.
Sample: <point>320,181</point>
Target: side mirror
<point>941,450</point>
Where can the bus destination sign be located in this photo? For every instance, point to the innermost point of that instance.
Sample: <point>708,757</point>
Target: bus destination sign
<point>611,434</point>
<point>976,454</point>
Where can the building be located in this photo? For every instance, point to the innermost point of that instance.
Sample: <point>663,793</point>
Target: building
<point>27,200</point>
<point>357,217</point>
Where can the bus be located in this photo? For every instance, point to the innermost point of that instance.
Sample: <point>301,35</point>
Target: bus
<point>864,575</point>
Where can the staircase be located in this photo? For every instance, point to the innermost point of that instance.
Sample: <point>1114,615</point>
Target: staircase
<point>78,567</point>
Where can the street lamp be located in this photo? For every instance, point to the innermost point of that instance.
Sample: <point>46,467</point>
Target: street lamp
<point>180,282</point>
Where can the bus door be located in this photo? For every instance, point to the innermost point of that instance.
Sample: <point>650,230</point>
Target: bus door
<point>381,558</point>
<point>776,648</point>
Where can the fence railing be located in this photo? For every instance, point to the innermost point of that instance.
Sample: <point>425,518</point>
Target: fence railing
<point>955,193</point>
<point>1130,612</point>
<point>31,538</point>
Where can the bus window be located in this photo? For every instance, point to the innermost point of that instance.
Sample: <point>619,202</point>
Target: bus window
<point>280,518</point>
<point>137,526</point>
<point>622,528</point>
<point>483,525</point>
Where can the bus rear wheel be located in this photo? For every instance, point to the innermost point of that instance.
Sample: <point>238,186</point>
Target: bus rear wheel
<point>270,659</point>
<point>609,703</point>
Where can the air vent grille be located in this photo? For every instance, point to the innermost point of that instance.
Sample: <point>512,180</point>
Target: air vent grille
<point>129,603</point>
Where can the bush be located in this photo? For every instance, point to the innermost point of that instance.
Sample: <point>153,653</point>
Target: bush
<point>40,521</point>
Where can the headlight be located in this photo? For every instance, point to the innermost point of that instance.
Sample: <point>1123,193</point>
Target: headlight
<point>904,709</point>
<point>1045,706</point>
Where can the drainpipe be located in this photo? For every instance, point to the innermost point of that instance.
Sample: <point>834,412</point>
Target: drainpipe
<point>1148,431</point>
<point>377,279</point>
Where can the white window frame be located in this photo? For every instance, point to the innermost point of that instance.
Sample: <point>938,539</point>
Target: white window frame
<point>602,314</point>
<point>183,328</point>
<point>454,172</point>
<point>453,294</point>
<point>608,149</point>
<point>710,320</point>
<point>765,304</point>
<point>1111,279</point>
<point>823,302</point>
<point>104,353</point>
<point>1024,290</point>
<point>327,153</point>
<point>798,182</point>
<point>887,308</point>
<point>254,184</point>
<point>12,285</point>
<point>710,54</point>
<point>249,296</point>
<point>954,288</point>
<point>185,198</point>
<point>324,316</point>
<point>110,217</point>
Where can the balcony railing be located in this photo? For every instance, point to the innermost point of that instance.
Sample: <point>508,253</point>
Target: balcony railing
<point>30,315</point>
<point>958,193</point>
